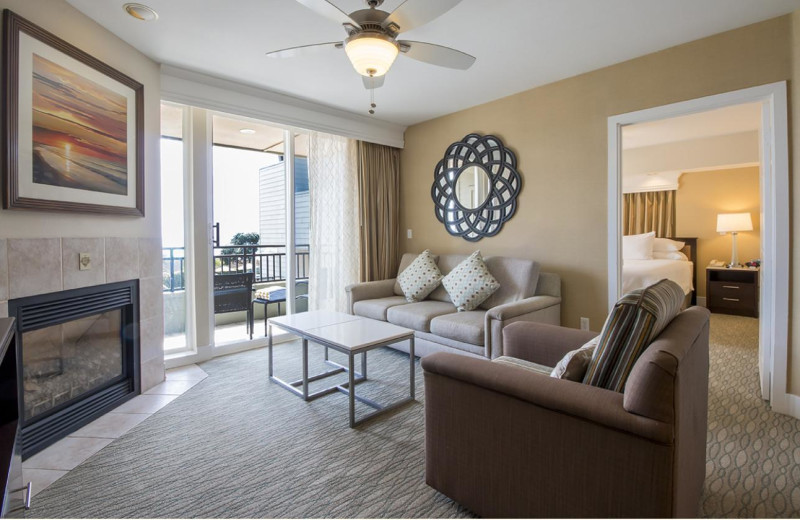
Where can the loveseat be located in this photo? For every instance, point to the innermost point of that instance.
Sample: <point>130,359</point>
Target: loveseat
<point>507,442</point>
<point>525,294</point>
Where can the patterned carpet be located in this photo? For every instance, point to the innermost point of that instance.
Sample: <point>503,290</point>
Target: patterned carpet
<point>237,446</point>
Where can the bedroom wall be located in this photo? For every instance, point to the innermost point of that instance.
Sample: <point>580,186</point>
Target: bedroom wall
<point>701,196</point>
<point>559,132</point>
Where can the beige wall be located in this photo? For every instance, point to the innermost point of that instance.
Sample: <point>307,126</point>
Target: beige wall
<point>61,19</point>
<point>559,134</point>
<point>701,196</point>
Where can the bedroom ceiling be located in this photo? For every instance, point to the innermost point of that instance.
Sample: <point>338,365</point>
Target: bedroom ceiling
<point>712,123</point>
<point>519,44</point>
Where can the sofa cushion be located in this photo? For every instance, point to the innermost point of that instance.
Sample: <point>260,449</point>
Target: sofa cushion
<point>518,278</point>
<point>468,327</point>
<point>405,261</point>
<point>418,315</point>
<point>521,363</point>
<point>420,278</point>
<point>573,366</point>
<point>376,309</point>
<point>637,318</point>
<point>470,283</point>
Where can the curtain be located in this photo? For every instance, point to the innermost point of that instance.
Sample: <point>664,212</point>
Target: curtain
<point>379,197</point>
<point>649,211</point>
<point>333,191</point>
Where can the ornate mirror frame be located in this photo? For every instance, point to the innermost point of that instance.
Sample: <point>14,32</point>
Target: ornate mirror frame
<point>500,164</point>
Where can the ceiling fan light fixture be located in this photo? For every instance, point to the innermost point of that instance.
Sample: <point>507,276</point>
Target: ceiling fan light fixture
<point>371,54</point>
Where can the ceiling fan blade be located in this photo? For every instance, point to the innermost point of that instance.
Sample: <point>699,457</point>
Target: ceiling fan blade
<point>413,13</point>
<point>330,11</point>
<point>303,50</point>
<point>373,82</point>
<point>437,55</point>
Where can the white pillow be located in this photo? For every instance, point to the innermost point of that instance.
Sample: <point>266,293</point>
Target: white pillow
<point>420,278</point>
<point>669,255</point>
<point>638,247</point>
<point>574,364</point>
<point>665,244</point>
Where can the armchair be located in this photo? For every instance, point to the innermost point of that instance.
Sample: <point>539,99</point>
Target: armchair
<point>507,442</point>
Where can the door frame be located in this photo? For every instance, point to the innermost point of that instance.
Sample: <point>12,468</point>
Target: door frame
<point>775,236</point>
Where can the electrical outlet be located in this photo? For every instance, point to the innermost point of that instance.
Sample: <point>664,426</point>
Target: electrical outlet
<point>409,234</point>
<point>584,323</point>
<point>84,261</point>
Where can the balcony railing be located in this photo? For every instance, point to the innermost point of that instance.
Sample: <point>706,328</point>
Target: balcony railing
<point>268,262</point>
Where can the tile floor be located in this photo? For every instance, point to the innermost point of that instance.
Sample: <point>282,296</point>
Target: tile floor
<point>53,462</point>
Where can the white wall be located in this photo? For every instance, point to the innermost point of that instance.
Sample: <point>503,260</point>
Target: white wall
<point>68,23</point>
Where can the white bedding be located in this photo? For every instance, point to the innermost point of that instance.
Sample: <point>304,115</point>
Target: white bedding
<point>637,274</point>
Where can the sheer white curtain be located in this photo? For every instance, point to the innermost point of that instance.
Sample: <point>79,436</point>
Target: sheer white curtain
<point>333,188</point>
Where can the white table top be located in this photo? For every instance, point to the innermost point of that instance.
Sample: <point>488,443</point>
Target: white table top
<point>344,330</point>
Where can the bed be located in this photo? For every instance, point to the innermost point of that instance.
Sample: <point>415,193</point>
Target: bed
<point>641,273</point>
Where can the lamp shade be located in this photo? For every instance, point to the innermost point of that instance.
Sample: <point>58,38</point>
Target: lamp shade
<point>371,55</point>
<point>732,222</point>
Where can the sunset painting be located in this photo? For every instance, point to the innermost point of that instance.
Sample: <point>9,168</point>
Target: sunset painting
<point>80,131</point>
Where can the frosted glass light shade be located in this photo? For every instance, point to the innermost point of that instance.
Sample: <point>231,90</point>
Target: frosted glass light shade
<point>369,53</point>
<point>732,222</point>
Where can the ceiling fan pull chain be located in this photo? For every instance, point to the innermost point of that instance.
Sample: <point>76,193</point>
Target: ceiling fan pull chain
<point>372,104</point>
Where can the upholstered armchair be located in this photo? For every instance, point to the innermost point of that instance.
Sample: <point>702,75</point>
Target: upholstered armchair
<point>507,442</point>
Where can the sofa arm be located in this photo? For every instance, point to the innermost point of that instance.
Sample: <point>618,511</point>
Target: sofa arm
<point>587,403</point>
<point>542,343</point>
<point>542,309</point>
<point>368,291</point>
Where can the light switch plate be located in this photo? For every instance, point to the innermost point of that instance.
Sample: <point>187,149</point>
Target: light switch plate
<point>84,261</point>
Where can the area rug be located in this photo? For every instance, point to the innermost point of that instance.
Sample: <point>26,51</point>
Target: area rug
<point>237,446</point>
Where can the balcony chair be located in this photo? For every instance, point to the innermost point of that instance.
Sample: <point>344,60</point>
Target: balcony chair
<point>233,293</point>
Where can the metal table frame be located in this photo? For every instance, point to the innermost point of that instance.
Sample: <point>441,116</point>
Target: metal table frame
<point>354,378</point>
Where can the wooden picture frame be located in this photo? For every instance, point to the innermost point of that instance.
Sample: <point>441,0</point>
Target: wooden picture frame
<point>73,128</point>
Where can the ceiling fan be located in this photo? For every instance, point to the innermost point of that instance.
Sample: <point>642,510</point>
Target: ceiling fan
<point>371,43</point>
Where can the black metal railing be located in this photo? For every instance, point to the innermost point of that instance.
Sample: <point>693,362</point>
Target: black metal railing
<point>268,262</point>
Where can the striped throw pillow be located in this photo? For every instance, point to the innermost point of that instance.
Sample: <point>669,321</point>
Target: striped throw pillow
<point>636,320</point>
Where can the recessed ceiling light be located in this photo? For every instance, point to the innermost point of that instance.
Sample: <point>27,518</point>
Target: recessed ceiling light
<point>247,131</point>
<point>141,12</point>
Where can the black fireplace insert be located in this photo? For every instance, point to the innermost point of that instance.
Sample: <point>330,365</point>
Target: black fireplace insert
<point>77,358</point>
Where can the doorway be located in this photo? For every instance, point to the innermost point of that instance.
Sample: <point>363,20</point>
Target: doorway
<point>773,217</point>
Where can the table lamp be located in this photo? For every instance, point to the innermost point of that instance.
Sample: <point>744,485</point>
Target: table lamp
<point>733,223</point>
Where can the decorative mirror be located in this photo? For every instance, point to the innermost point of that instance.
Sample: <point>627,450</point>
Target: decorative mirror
<point>475,187</point>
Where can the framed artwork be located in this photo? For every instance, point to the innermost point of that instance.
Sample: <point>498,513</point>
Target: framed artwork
<point>73,127</point>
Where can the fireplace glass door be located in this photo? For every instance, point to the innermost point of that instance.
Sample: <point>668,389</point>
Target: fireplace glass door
<point>62,363</point>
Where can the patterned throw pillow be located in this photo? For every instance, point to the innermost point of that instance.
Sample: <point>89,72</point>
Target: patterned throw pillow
<point>470,283</point>
<point>573,366</point>
<point>636,320</point>
<point>420,278</point>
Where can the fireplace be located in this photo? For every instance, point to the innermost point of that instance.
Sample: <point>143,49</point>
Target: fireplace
<point>78,358</point>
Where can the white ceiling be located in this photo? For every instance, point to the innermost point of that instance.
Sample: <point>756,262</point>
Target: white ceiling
<point>519,44</point>
<point>722,121</point>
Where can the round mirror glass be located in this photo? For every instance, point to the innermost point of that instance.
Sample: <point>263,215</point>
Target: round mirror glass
<point>472,186</point>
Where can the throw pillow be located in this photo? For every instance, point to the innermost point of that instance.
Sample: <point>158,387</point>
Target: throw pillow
<point>420,278</point>
<point>636,320</point>
<point>573,366</point>
<point>638,247</point>
<point>521,363</point>
<point>665,244</point>
<point>470,283</point>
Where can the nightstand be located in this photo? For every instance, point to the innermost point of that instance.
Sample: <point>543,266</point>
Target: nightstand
<point>732,291</point>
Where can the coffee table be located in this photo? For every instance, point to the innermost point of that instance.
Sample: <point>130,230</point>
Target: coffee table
<point>350,335</point>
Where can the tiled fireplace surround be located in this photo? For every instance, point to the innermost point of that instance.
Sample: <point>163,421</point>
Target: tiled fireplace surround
<point>32,266</point>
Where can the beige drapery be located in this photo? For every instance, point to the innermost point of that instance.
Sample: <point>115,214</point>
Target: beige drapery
<point>649,211</point>
<point>379,209</point>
